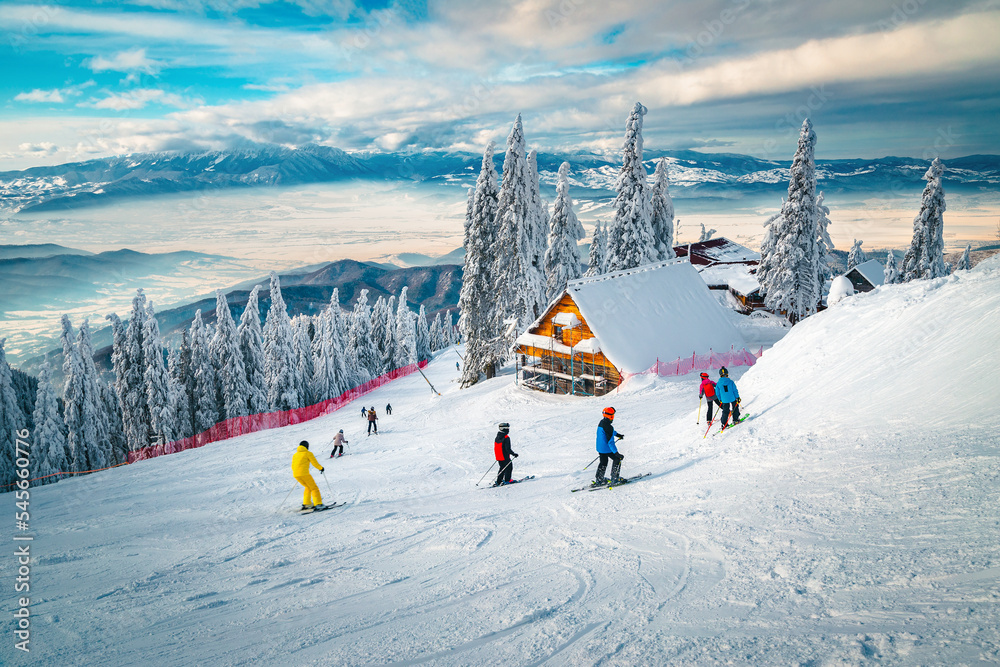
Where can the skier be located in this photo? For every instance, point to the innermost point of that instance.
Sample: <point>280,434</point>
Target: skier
<point>606,448</point>
<point>372,417</point>
<point>728,396</point>
<point>301,461</point>
<point>457,367</point>
<point>364,412</point>
<point>504,454</point>
<point>707,389</point>
<point>338,443</point>
<point>388,408</point>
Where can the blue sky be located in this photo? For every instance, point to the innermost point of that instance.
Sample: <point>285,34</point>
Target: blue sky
<point>877,77</point>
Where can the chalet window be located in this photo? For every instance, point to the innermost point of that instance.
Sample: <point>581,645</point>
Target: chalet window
<point>557,331</point>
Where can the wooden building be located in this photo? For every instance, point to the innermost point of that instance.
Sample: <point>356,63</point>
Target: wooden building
<point>866,276</point>
<point>604,328</point>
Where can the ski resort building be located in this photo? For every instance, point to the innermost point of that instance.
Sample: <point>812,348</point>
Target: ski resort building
<point>602,329</point>
<point>866,276</point>
<point>717,251</point>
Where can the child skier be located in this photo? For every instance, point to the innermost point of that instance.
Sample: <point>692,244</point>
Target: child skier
<point>364,412</point>
<point>729,397</point>
<point>372,417</point>
<point>606,436</point>
<point>504,454</point>
<point>338,443</point>
<point>301,461</point>
<point>707,389</point>
<point>388,408</point>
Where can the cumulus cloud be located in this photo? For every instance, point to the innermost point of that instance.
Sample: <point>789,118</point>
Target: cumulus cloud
<point>37,95</point>
<point>139,98</point>
<point>41,149</point>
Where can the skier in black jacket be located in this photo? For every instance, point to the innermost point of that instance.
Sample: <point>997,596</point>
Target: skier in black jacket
<point>504,454</point>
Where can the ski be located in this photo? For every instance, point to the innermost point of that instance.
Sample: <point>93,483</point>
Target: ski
<point>513,481</point>
<point>325,508</point>
<point>742,419</point>
<point>709,428</point>
<point>607,484</point>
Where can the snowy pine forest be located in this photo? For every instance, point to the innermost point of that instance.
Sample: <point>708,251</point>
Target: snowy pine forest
<point>160,394</point>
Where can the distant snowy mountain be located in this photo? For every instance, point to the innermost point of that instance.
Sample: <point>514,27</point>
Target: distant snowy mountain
<point>692,174</point>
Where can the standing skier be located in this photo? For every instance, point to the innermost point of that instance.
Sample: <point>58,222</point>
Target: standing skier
<point>301,461</point>
<point>372,419</point>
<point>504,454</point>
<point>606,436</point>
<point>707,389</point>
<point>364,412</point>
<point>729,397</point>
<point>338,443</point>
<point>388,408</point>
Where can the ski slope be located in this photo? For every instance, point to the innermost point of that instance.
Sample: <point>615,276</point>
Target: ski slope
<point>852,520</point>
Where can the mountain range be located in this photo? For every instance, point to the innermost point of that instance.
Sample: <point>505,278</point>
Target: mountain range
<point>693,174</point>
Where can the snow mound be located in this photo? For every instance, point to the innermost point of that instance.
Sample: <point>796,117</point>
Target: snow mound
<point>921,353</point>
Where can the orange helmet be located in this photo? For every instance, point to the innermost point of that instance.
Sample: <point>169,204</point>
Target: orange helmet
<point>609,413</point>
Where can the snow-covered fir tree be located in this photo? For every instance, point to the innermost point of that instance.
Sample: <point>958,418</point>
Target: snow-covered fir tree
<point>128,360</point>
<point>303,358</point>
<point>280,358</point>
<point>706,234</point>
<point>788,273</point>
<point>382,335</point>
<point>117,444</point>
<point>562,258</point>
<point>538,234</point>
<point>346,371</point>
<point>324,379</point>
<point>159,396</point>
<point>436,343</point>
<point>251,343</point>
<point>515,280</point>
<point>598,251</point>
<point>231,375</point>
<point>925,257</point>
<point>630,239</point>
<point>423,336</point>
<point>856,255</point>
<point>891,270</point>
<point>449,328</point>
<point>362,348</point>
<point>182,383</point>
<point>10,422</point>
<point>662,213</point>
<point>965,263</point>
<point>83,406</point>
<point>100,451</point>
<point>204,403</point>
<point>824,244</point>
<point>406,332</point>
<point>478,304</point>
<point>49,437</point>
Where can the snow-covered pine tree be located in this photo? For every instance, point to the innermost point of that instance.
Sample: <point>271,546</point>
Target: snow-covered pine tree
<point>477,301</point>
<point>891,270</point>
<point>925,257</point>
<point>787,273</point>
<point>538,233</point>
<point>280,360</point>
<point>662,212</point>
<point>303,357</point>
<point>10,418</point>
<point>159,396</point>
<point>423,336</point>
<point>562,258</point>
<point>231,375</point>
<point>856,255</point>
<point>251,343</point>
<point>598,251</point>
<point>324,379</point>
<point>117,444</point>
<point>630,240</point>
<point>436,333</point>
<point>406,332</point>
<point>449,329</point>
<point>515,280</point>
<point>360,342</point>
<point>49,438</point>
<point>381,336</point>
<point>182,385</point>
<point>965,263</point>
<point>346,370</point>
<point>128,360</point>
<point>100,453</point>
<point>204,403</point>
<point>81,423</point>
<point>706,234</point>
<point>824,244</point>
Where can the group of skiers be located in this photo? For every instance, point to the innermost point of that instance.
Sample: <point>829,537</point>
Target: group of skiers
<point>723,394</point>
<point>373,418</point>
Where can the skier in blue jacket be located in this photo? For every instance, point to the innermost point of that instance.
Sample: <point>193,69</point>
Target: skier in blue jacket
<point>729,396</point>
<point>606,437</point>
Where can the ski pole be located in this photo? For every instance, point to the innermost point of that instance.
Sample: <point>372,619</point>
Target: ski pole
<point>592,462</point>
<point>486,473</point>
<point>328,487</point>
<point>286,498</point>
<point>698,421</point>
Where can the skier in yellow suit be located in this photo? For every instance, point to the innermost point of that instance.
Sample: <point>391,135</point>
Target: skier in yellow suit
<point>301,461</point>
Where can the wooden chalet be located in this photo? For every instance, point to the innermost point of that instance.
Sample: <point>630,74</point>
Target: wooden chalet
<point>717,251</point>
<point>602,329</point>
<point>866,276</point>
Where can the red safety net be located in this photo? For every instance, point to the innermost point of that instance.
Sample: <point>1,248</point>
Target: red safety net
<point>237,426</point>
<point>703,362</point>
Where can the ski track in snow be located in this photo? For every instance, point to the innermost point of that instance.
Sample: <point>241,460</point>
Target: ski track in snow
<point>833,528</point>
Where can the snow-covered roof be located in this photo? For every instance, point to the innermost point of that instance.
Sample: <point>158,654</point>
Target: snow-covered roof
<point>566,320</point>
<point>662,310</point>
<point>872,271</point>
<point>736,276</point>
<point>587,346</point>
<point>720,250</point>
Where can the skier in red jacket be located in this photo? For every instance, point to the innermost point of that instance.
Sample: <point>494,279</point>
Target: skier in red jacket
<point>707,390</point>
<point>504,454</point>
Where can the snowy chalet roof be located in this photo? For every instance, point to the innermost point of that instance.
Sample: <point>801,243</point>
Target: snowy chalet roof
<point>734,276</point>
<point>656,311</point>
<point>718,251</point>
<point>871,271</point>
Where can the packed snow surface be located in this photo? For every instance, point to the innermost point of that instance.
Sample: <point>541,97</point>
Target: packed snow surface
<point>851,520</point>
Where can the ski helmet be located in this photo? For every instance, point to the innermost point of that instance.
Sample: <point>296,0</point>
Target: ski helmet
<point>723,372</point>
<point>341,430</point>
<point>704,375</point>
<point>304,443</point>
<point>504,427</point>
<point>609,413</point>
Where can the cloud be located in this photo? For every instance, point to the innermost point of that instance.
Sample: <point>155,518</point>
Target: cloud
<point>42,149</point>
<point>139,98</point>
<point>37,95</point>
<point>125,61</point>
